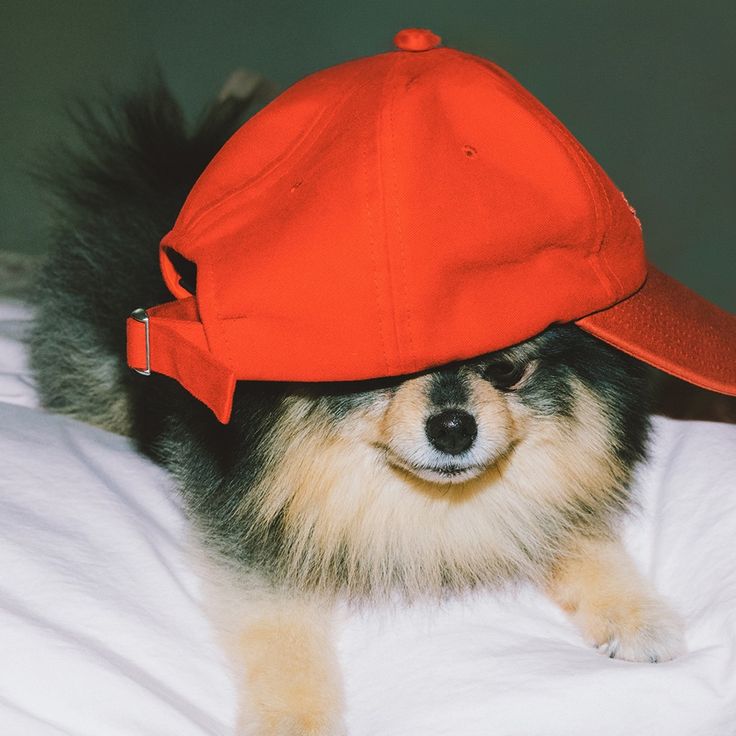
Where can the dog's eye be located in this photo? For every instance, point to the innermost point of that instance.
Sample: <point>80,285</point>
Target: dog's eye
<point>503,373</point>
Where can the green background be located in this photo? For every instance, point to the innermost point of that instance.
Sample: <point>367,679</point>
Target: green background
<point>648,88</point>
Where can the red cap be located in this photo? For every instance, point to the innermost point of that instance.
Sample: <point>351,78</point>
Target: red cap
<point>402,211</point>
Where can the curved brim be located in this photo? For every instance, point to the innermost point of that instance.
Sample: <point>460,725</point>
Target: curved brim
<point>674,329</point>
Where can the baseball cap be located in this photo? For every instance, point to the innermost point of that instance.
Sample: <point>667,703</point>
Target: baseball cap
<point>399,212</point>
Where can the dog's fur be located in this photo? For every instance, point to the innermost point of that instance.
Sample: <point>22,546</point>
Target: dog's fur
<point>319,491</point>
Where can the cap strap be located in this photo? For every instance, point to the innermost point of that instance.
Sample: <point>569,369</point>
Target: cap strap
<point>171,341</point>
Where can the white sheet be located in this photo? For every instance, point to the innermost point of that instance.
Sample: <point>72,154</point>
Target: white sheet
<point>101,631</point>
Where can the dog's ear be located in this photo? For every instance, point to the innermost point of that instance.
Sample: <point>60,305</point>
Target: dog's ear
<point>185,269</point>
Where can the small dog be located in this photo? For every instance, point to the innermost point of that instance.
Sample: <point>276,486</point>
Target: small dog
<point>513,466</point>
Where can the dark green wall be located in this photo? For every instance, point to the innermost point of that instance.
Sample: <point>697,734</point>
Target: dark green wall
<point>648,87</point>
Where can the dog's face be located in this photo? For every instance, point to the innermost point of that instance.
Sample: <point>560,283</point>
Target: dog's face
<point>449,425</point>
<point>443,427</point>
<point>453,424</point>
<point>470,473</point>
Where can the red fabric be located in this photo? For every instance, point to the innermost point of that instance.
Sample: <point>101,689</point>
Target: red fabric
<point>416,39</point>
<point>178,349</point>
<point>395,213</point>
<point>673,328</point>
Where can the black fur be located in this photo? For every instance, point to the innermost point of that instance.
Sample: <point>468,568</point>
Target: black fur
<point>448,388</point>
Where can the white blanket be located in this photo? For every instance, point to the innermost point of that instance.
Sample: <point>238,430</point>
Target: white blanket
<point>101,632</point>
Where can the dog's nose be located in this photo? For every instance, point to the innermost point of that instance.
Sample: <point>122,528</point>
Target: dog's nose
<point>452,431</point>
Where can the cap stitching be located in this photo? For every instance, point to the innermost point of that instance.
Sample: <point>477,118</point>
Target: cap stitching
<point>396,348</point>
<point>216,324</point>
<point>652,358</point>
<point>600,252</point>
<point>606,276</point>
<point>374,264</point>
<point>570,142</point>
<point>673,337</point>
<point>599,268</point>
<point>402,245</point>
<point>671,333</point>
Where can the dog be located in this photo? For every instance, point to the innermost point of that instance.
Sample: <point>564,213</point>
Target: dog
<point>514,466</point>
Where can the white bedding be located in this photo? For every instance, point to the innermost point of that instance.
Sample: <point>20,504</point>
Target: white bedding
<point>101,631</point>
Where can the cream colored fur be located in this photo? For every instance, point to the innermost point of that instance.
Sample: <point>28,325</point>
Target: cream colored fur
<point>280,650</point>
<point>358,522</point>
<point>351,512</point>
<point>598,585</point>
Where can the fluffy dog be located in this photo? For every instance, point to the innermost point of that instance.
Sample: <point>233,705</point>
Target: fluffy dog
<point>514,466</point>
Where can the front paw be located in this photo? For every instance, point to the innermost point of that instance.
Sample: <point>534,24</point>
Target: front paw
<point>290,724</point>
<point>637,631</point>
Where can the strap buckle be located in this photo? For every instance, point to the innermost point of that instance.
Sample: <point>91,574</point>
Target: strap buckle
<point>140,315</point>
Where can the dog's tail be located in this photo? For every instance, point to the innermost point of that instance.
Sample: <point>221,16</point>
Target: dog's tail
<point>114,195</point>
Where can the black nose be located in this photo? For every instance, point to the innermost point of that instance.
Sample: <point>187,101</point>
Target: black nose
<point>452,431</point>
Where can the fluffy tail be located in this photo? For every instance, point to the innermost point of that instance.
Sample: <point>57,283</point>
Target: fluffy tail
<point>114,196</point>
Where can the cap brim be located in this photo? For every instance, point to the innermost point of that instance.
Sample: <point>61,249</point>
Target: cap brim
<point>674,329</point>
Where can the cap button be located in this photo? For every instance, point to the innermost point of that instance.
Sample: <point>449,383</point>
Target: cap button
<point>416,39</point>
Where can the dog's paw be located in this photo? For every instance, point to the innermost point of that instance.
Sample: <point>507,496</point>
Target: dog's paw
<point>289,728</point>
<point>636,631</point>
<point>304,723</point>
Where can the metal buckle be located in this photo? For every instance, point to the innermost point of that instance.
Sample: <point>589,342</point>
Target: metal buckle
<point>140,315</point>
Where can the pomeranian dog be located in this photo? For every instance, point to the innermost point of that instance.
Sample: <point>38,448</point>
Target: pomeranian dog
<point>513,466</point>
